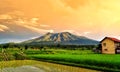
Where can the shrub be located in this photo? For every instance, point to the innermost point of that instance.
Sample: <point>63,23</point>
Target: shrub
<point>20,56</point>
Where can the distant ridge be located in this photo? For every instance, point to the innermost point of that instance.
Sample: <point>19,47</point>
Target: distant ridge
<point>64,38</point>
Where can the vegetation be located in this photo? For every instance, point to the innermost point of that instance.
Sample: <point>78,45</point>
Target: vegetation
<point>58,51</point>
<point>94,61</point>
<point>82,56</point>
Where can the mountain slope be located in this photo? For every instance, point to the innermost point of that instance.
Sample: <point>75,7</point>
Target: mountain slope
<point>65,38</point>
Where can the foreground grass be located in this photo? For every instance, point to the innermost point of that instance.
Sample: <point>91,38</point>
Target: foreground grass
<point>94,61</point>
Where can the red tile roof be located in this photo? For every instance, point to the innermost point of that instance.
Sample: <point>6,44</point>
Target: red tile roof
<point>111,38</point>
<point>114,39</point>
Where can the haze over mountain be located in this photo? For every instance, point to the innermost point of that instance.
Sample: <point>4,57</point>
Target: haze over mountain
<point>64,38</point>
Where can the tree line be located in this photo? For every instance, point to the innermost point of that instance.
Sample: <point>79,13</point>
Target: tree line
<point>40,46</point>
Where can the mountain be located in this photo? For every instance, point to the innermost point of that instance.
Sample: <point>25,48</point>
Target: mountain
<point>64,38</point>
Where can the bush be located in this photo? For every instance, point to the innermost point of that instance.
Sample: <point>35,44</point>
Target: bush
<point>6,57</point>
<point>20,56</point>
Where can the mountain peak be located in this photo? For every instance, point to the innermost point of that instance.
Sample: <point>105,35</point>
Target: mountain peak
<point>63,38</point>
<point>48,33</point>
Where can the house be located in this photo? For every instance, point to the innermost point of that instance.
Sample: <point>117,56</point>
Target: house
<point>110,45</point>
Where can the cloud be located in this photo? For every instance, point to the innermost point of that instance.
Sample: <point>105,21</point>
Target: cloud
<point>5,16</point>
<point>71,31</point>
<point>38,29</point>
<point>44,25</point>
<point>75,3</point>
<point>85,33</point>
<point>33,25</point>
<point>51,31</point>
<point>28,23</point>
<point>3,28</point>
<point>34,20</point>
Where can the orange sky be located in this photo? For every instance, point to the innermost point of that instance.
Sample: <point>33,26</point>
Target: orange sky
<point>92,18</point>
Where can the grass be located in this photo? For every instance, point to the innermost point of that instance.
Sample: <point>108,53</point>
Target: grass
<point>95,61</point>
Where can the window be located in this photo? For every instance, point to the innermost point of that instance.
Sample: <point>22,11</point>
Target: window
<point>105,49</point>
<point>119,44</point>
<point>104,44</point>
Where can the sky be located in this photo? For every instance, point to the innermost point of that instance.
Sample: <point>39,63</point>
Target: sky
<point>25,19</point>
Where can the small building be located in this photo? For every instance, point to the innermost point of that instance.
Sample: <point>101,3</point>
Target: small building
<point>110,45</point>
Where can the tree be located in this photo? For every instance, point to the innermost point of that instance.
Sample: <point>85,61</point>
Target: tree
<point>58,45</point>
<point>26,47</point>
<point>5,46</point>
<point>41,47</point>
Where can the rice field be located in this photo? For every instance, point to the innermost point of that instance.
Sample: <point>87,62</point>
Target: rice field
<point>38,66</point>
<point>94,61</point>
